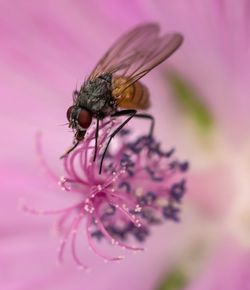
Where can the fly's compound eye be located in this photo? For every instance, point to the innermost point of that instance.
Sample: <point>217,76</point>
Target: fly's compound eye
<point>84,119</point>
<point>79,118</point>
<point>69,111</point>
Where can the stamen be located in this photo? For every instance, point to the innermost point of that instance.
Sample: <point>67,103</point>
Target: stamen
<point>140,186</point>
<point>93,247</point>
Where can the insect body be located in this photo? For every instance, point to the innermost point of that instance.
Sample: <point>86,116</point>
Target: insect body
<point>136,96</point>
<point>113,88</point>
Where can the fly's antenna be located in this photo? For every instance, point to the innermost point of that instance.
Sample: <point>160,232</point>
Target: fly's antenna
<point>65,124</point>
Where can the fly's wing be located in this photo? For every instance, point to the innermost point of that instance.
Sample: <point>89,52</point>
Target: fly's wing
<point>135,53</point>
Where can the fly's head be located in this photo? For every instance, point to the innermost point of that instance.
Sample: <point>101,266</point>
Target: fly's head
<point>79,120</point>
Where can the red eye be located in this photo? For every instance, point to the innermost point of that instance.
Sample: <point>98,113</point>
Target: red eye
<point>84,119</point>
<point>69,112</point>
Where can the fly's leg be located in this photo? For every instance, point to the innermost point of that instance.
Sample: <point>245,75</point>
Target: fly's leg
<point>96,138</point>
<point>149,117</point>
<point>131,114</point>
<point>70,149</point>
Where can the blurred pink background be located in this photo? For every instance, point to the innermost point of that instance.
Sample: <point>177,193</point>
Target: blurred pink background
<point>47,49</point>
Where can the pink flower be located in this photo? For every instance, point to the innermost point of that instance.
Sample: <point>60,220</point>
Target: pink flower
<point>227,268</point>
<point>47,48</point>
<point>114,204</point>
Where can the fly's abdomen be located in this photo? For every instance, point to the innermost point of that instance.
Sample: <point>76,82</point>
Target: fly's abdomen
<point>135,96</point>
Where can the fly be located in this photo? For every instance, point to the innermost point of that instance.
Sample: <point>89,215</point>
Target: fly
<point>113,87</point>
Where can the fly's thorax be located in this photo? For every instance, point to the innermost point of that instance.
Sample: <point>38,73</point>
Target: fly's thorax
<point>96,96</point>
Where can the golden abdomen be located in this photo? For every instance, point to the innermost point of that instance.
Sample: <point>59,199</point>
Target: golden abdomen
<point>135,96</point>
